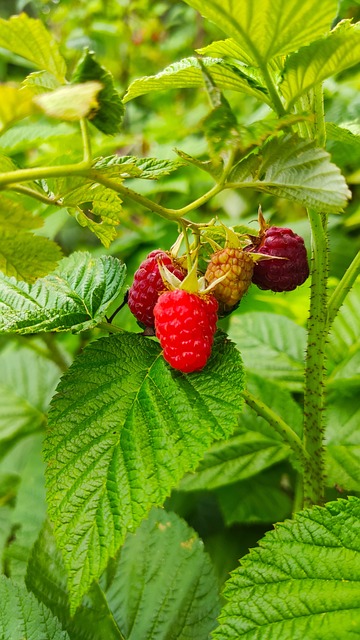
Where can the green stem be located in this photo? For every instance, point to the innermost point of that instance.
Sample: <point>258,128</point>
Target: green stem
<point>37,173</point>
<point>106,326</point>
<point>315,364</point>
<point>27,191</point>
<point>342,290</point>
<point>86,141</point>
<point>277,104</point>
<point>320,127</point>
<point>280,426</point>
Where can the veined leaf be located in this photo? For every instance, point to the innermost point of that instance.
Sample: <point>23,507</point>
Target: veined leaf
<point>25,256</point>
<point>303,581</point>
<point>114,450</point>
<point>15,103</point>
<point>70,103</point>
<point>290,167</point>
<point>164,584</point>
<point>46,578</point>
<point>264,28</point>
<point>27,383</point>
<point>109,114</point>
<point>228,48</point>
<point>343,442</point>
<point>188,74</point>
<point>131,167</point>
<point>30,39</point>
<point>343,133</point>
<point>96,200</point>
<point>22,616</point>
<point>75,296</point>
<point>40,82</point>
<point>321,59</point>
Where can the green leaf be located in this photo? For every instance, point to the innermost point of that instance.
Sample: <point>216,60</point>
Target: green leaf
<point>131,167</point>
<point>228,48</point>
<point>30,39</point>
<point>40,82</point>
<point>254,447</point>
<point>46,578</point>
<point>344,335</point>
<point>303,581</point>
<point>289,167</point>
<point>343,442</point>
<point>75,296</point>
<point>272,346</point>
<point>22,616</point>
<point>244,502</point>
<point>188,74</point>
<point>164,584</point>
<point>15,104</point>
<point>71,102</point>
<point>321,59</point>
<point>343,134</point>
<point>108,117</point>
<point>14,215</point>
<point>27,383</point>
<point>92,199</point>
<point>29,136</point>
<point>26,257</point>
<point>121,435</point>
<point>264,28</point>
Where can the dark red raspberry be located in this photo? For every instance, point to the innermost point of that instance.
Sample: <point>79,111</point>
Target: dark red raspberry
<point>148,284</point>
<point>281,275</point>
<point>185,324</point>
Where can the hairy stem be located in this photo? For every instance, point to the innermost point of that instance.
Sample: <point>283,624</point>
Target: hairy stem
<point>342,290</point>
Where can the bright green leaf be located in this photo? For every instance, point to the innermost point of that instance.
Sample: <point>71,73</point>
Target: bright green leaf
<point>13,216</point>
<point>29,136</point>
<point>303,581</point>
<point>264,28</point>
<point>164,584</point>
<point>23,617</point>
<point>75,296</point>
<point>15,104</point>
<point>25,256</point>
<point>344,134</point>
<point>343,442</point>
<point>72,102</point>
<point>108,117</point>
<point>321,59</point>
<point>228,48</point>
<point>188,74</point>
<point>40,82</point>
<point>289,167</point>
<point>121,435</point>
<point>30,39</point>
<point>131,167</point>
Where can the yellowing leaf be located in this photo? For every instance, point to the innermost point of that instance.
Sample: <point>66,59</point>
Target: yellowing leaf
<point>71,102</point>
<point>15,103</point>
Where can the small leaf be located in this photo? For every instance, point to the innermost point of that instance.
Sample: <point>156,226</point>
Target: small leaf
<point>71,102</point>
<point>290,167</point>
<point>264,29</point>
<point>30,39</point>
<point>15,104</point>
<point>164,584</point>
<point>321,59</point>
<point>26,257</point>
<point>188,74</point>
<point>22,616</point>
<point>131,167</point>
<point>121,435</point>
<point>303,581</point>
<point>108,117</point>
<point>75,296</point>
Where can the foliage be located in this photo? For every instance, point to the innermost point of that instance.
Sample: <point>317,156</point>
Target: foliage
<point>129,490</point>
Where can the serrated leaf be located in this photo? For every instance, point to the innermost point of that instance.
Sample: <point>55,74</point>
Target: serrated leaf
<point>108,117</point>
<point>254,447</point>
<point>343,442</point>
<point>71,102</point>
<point>14,215</point>
<point>210,166</point>
<point>265,29</point>
<point>27,383</point>
<point>30,39</point>
<point>303,581</point>
<point>121,435</point>
<point>132,167</point>
<point>164,584</point>
<point>228,48</point>
<point>46,578</point>
<point>321,59</point>
<point>187,73</point>
<point>75,296</point>
<point>40,82</point>
<point>25,256</point>
<point>272,346</point>
<point>96,200</point>
<point>289,167</point>
<point>15,103</point>
<point>22,616</point>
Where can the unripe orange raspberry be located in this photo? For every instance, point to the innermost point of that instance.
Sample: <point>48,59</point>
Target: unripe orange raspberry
<point>238,268</point>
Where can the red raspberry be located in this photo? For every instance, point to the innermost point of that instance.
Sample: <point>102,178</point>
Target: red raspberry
<point>148,284</point>
<point>185,324</point>
<point>281,275</point>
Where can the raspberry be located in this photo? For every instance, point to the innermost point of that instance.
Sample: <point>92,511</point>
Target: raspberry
<point>147,286</point>
<point>238,267</point>
<point>281,275</point>
<point>185,324</point>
